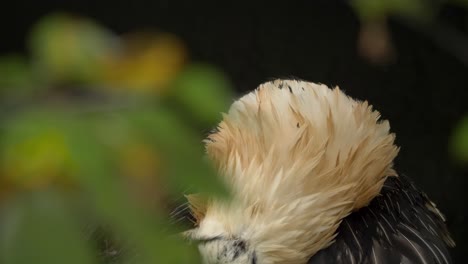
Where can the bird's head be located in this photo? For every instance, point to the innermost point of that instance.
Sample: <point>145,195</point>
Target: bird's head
<point>299,157</point>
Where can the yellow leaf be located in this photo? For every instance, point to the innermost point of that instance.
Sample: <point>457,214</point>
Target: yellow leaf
<point>146,64</point>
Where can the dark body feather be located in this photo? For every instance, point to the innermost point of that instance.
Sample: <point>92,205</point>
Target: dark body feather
<point>400,226</point>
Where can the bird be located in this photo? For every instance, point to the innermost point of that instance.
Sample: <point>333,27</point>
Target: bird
<point>312,180</point>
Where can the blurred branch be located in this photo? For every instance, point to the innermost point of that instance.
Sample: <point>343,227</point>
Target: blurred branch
<point>447,38</point>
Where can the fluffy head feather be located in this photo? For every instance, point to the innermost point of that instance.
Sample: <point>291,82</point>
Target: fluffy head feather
<point>299,157</point>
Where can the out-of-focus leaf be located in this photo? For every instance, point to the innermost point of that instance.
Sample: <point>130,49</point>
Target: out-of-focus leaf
<point>43,147</point>
<point>378,9</point>
<point>142,168</point>
<point>66,48</point>
<point>15,76</point>
<point>147,63</point>
<point>460,140</point>
<point>96,173</point>
<point>203,91</point>
<point>139,160</point>
<point>181,149</point>
<point>34,151</point>
<point>461,2</point>
<point>39,229</point>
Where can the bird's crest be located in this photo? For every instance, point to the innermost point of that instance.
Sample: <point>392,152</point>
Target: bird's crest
<point>299,157</point>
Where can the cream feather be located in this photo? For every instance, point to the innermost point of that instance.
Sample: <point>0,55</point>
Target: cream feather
<point>299,157</point>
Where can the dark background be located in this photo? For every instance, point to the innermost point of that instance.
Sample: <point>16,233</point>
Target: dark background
<point>423,92</point>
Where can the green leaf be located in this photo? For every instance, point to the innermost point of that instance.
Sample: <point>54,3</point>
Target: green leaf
<point>33,149</point>
<point>67,48</point>
<point>459,146</point>
<point>39,228</point>
<point>203,91</point>
<point>181,148</point>
<point>16,78</point>
<point>460,2</point>
<point>379,9</point>
<point>113,205</point>
<point>89,140</point>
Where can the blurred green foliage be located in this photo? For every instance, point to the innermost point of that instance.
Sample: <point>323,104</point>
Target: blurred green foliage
<point>188,85</point>
<point>459,142</point>
<point>421,10</point>
<point>68,48</point>
<point>94,135</point>
<point>379,9</point>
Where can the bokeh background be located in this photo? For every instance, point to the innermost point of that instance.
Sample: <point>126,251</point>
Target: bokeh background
<point>83,80</point>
